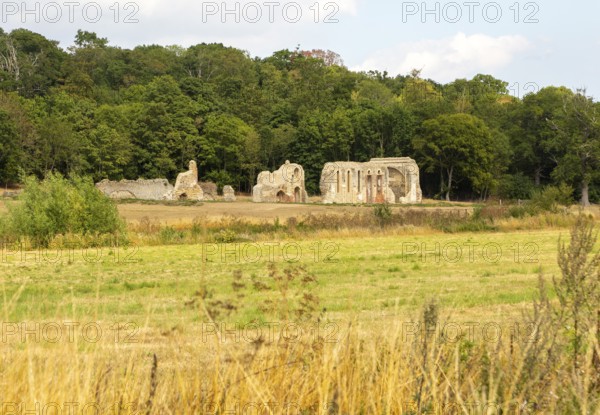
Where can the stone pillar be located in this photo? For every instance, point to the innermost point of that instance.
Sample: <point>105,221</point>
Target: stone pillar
<point>229,194</point>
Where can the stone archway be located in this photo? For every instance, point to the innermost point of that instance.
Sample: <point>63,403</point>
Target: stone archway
<point>397,183</point>
<point>281,196</point>
<point>297,195</point>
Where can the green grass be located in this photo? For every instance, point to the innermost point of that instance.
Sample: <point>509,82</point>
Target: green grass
<point>361,277</point>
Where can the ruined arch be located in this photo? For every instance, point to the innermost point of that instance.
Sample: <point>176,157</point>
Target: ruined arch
<point>397,183</point>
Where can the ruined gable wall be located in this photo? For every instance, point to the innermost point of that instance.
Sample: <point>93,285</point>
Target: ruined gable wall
<point>136,189</point>
<point>387,180</point>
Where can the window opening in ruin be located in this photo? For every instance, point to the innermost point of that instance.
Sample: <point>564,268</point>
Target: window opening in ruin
<point>348,183</point>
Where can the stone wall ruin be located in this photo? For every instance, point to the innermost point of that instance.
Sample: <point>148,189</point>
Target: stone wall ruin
<point>210,190</point>
<point>381,180</point>
<point>229,194</point>
<point>186,187</point>
<point>157,189</point>
<point>286,185</point>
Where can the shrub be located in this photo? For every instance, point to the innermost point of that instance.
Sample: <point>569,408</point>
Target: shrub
<point>518,212</point>
<point>383,214</point>
<point>60,206</point>
<point>515,187</point>
<point>549,199</point>
<point>170,235</point>
<point>226,236</point>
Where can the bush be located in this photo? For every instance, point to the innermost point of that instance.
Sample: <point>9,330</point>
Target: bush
<point>60,206</point>
<point>226,236</point>
<point>170,235</point>
<point>549,199</point>
<point>515,187</point>
<point>383,214</point>
<point>518,212</point>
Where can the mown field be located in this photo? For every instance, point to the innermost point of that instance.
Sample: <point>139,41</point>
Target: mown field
<point>482,274</point>
<point>328,323</point>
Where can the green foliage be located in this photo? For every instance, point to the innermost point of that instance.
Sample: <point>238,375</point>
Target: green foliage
<point>10,155</point>
<point>577,140</point>
<point>552,197</point>
<point>549,199</point>
<point>459,146</point>
<point>60,206</point>
<point>383,214</point>
<point>32,64</point>
<point>515,187</point>
<point>114,113</point>
<point>532,134</point>
<point>169,236</point>
<point>226,236</point>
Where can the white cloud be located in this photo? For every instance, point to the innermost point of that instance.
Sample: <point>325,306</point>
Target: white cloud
<point>259,26</point>
<point>447,59</point>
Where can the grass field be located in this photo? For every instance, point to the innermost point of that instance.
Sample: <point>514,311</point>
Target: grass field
<point>205,328</point>
<point>482,274</point>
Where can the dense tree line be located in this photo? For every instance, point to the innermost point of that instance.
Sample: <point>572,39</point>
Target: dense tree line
<point>115,113</point>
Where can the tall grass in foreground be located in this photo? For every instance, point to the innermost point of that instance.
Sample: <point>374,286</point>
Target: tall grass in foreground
<point>552,366</point>
<point>359,373</point>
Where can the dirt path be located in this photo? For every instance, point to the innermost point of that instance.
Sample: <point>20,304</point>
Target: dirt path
<point>247,210</point>
<point>242,209</point>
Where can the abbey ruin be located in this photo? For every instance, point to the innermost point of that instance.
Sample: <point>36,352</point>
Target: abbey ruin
<point>381,180</point>
<point>186,187</point>
<point>284,185</point>
<point>157,189</point>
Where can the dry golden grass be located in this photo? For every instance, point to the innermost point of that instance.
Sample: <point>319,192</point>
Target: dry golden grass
<point>377,350</point>
<point>354,372</point>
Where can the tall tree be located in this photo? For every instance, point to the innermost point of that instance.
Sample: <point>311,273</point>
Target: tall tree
<point>532,134</point>
<point>10,156</point>
<point>459,146</point>
<point>29,63</point>
<point>578,141</point>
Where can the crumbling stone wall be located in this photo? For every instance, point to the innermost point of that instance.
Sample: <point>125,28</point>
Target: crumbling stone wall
<point>381,180</point>
<point>286,185</point>
<point>186,186</point>
<point>210,190</point>
<point>229,194</point>
<point>157,189</point>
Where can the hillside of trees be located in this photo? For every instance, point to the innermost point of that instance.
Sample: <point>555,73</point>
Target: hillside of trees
<point>114,113</point>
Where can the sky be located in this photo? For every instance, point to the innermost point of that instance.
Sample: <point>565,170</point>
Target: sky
<point>527,44</point>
